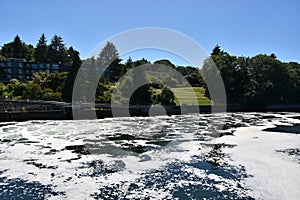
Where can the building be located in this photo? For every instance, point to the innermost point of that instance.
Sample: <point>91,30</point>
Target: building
<point>23,70</point>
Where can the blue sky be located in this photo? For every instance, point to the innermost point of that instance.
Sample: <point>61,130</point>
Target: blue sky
<point>240,27</point>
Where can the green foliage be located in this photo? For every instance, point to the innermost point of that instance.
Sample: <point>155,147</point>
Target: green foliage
<point>12,87</point>
<point>254,81</point>
<point>32,91</point>
<point>57,52</point>
<point>216,51</point>
<point>106,97</point>
<point>41,78</point>
<point>41,50</point>
<point>142,96</point>
<point>165,62</point>
<point>103,92</point>
<point>143,61</point>
<point>1,57</point>
<point>192,75</point>
<point>167,97</point>
<point>75,63</point>
<point>50,95</point>
<point>107,55</point>
<point>2,89</point>
<point>170,81</point>
<point>17,49</point>
<point>43,86</point>
<point>55,82</point>
<point>257,81</point>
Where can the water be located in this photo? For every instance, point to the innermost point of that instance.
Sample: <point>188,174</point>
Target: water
<point>178,157</point>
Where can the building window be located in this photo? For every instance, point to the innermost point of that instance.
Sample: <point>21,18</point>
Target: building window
<point>55,66</point>
<point>34,66</point>
<point>41,66</point>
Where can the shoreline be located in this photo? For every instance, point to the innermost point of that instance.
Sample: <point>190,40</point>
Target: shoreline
<point>49,110</point>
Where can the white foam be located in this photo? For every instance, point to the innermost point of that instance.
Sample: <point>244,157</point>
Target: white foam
<point>272,176</point>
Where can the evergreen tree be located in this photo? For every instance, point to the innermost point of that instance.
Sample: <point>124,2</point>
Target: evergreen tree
<point>216,51</point>
<point>57,50</point>
<point>40,52</point>
<point>109,57</point>
<point>75,62</point>
<point>17,49</point>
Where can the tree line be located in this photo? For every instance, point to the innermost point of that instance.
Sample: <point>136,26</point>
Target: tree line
<point>256,81</point>
<point>253,81</point>
<point>55,52</point>
<point>45,86</point>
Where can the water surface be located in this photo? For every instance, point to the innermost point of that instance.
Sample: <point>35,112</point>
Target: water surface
<point>178,157</point>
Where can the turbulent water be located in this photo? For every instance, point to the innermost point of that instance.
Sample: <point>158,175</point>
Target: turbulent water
<point>218,156</point>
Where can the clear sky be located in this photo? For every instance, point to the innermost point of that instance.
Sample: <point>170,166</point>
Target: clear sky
<point>240,27</point>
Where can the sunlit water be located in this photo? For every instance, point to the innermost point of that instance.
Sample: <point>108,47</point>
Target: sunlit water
<point>178,157</point>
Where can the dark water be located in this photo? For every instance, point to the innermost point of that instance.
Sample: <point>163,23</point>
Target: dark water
<point>125,158</point>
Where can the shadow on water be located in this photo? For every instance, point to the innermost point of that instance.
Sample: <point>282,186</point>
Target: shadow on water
<point>185,184</point>
<point>22,189</point>
<point>285,129</point>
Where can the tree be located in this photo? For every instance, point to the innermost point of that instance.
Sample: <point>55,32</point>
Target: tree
<point>50,95</point>
<point>74,59</point>
<point>75,63</point>
<point>2,89</point>
<point>57,82</point>
<point>142,61</point>
<point>216,51</point>
<point>12,87</point>
<point>40,52</point>
<point>109,57</point>
<point>267,75</point>
<point>17,49</point>
<point>292,86</point>
<point>41,78</point>
<point>226,65</point>
<point>165,62</point>
<point>32,91</point>
<point>129,63</point>
<point>273,55</point>
<point>167,97</point>
<point>142,96</point>
<point>57,50</point>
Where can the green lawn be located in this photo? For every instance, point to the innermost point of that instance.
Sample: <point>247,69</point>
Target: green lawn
<point>186,94</point>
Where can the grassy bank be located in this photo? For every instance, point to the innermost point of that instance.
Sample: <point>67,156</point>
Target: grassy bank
<point>186,94</point>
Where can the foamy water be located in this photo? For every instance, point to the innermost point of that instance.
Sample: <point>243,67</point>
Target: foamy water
<point>178,157</point>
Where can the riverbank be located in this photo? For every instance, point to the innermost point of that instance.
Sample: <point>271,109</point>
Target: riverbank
<point>51,110</point>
